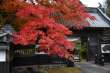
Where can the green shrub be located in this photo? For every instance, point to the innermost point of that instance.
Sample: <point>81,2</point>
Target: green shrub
<point>83,53</point>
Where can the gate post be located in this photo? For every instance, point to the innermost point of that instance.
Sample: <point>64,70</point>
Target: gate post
<point>4,58</point>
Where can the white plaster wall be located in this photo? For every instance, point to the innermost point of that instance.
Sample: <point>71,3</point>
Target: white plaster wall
<point>2,56</point>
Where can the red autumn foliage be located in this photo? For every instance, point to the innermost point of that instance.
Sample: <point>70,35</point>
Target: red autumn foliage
<point>11,6</point>
<point>49,35</point>
<point>41,28</point>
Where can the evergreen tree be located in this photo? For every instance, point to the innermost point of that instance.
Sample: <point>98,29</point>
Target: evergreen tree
<point>108,7</point>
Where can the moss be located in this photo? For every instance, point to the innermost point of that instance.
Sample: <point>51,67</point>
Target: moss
<point>83,53</point>
<point>63,70</point>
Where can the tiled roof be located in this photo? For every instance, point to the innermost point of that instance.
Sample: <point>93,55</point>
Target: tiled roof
<point>99,22</point>
<point>102,20</point>
<point>7,29</point>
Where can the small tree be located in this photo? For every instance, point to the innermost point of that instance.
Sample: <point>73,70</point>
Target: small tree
<point>37,22</point>
<point>108,7</point>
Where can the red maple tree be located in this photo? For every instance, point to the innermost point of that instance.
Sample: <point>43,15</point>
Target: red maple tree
<point>40,25</point>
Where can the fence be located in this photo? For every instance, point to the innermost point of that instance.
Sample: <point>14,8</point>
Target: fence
<point>4,67</point>
<point>28,55</point>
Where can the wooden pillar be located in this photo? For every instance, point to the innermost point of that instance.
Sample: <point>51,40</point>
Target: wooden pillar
<point>84,43</point>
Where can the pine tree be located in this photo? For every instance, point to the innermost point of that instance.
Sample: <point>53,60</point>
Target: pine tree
<point>108,7</point>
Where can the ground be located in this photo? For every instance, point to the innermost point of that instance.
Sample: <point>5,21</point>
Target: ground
<point>47,69</point>
<point>65,70</point>
<point>89,67</point>
<point>80,67</point>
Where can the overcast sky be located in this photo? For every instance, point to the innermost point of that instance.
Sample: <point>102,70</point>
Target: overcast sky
<point>92,3</point>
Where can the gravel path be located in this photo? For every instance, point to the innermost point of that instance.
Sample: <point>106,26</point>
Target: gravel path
<point>92,68</point>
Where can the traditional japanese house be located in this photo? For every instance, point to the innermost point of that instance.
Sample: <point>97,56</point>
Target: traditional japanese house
<point>96,37</point>
<point>5,39</point>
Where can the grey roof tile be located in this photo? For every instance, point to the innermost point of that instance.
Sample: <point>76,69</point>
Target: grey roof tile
<point>99,22</point>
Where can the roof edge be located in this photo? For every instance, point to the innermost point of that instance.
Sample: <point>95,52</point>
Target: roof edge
<point>105,17</point>
<point>92,9</point>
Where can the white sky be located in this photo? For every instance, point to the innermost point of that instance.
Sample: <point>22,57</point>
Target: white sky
<point>92,3</point>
